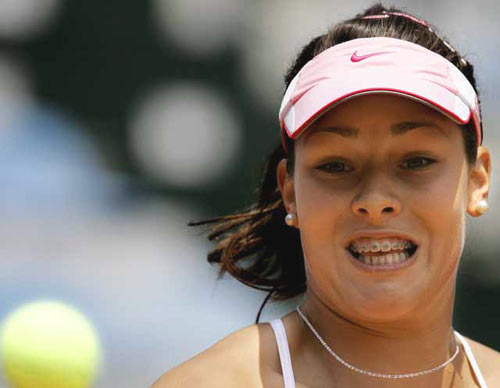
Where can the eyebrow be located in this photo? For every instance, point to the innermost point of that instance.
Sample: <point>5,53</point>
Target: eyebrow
<point>396,129</point>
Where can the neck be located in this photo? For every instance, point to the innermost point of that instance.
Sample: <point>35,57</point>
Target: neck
<point>411,344</point>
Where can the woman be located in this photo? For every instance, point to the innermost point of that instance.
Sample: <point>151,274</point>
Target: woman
<point>362,208</point>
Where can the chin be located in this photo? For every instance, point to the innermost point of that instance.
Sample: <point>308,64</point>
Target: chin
<point>382,302</point>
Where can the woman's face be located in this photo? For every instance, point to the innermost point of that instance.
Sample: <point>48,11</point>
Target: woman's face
<point>380,162</point>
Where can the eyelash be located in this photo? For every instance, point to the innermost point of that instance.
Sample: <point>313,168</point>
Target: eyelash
<point>428,160</point>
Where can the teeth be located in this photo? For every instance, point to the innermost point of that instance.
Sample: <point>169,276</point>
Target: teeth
<point>385,246</point>
<point>380,246</point>
<point>390,258</point>
<point>375,246</point>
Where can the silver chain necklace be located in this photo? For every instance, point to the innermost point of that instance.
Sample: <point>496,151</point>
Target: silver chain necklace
<point>373,374</point>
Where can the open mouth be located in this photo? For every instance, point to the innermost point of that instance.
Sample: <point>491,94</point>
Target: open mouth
<point>391,259</point>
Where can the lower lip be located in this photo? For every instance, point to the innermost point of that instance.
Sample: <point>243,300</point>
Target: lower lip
<point>383,267</point>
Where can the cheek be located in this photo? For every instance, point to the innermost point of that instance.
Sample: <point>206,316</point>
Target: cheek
<point>319,204</point>
<point>322,210</point>
<point>440,207</point>
<point>438,204</point>
<point>443,194</point>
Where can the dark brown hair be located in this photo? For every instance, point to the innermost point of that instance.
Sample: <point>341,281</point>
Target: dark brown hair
<point>256,246</point>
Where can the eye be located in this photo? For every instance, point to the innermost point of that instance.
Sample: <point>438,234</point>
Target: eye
<point>335,167</point>
<point>419,165</point>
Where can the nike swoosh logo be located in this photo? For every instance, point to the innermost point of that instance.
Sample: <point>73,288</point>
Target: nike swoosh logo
<point>356,58</point>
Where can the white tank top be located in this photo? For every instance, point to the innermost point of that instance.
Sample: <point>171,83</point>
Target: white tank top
<point>286,362</point>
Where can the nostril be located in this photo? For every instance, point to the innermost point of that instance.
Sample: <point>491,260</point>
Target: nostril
<point>385,210</point>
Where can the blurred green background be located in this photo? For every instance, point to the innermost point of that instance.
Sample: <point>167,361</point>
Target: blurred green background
<point>122,120</point>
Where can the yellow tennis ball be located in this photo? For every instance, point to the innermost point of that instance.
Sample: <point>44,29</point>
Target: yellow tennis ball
<point>48,344</point>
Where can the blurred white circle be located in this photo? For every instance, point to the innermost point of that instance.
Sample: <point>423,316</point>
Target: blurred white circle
<point>279,31</point>
<point>185,135</point>
<point>199,26</point>
<point>26,18</point>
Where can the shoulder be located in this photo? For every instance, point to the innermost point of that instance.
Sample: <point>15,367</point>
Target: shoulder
<point>488,360</point>
<point>238,360</point>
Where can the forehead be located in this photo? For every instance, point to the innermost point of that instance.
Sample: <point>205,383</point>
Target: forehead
<point>380,114</point>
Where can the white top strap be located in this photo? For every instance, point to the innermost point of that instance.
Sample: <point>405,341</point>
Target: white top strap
<point>472,360</point>
<point>284,352</point>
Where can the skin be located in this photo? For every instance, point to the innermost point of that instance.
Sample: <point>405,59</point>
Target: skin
<point>397,322</point>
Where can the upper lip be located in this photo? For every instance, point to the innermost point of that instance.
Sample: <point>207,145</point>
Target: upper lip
<point>386,233</point>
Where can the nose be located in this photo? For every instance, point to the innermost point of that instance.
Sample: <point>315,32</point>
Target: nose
<point>376,200</point>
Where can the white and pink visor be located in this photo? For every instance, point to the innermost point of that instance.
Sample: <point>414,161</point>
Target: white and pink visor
<point>377,65</point>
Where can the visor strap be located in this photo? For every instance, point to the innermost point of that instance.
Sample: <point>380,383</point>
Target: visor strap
<point>386,14</point>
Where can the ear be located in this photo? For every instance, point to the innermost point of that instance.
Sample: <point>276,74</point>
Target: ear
<point>287,189</point>
<point>479,181</point>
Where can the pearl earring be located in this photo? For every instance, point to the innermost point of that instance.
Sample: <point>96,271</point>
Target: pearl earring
<point>482,206</point>
<point>290,219</point>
